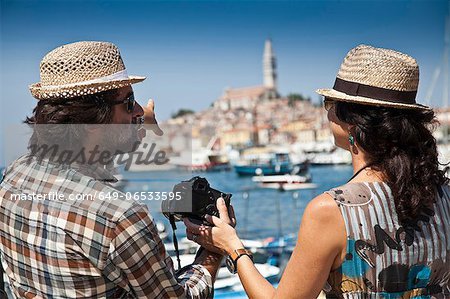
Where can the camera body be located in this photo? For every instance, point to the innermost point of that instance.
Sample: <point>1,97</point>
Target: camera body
<point>203,198</point>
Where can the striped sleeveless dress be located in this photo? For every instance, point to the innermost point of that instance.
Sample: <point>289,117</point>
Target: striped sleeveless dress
<point>383,258</point>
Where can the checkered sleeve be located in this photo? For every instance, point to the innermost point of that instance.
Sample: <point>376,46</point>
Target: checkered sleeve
<point>139,253</point>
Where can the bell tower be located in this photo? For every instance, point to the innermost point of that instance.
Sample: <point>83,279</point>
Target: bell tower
<point>269,66</point>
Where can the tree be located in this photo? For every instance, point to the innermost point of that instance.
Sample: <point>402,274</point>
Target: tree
<point>182,112</point>
<point>296,97</point>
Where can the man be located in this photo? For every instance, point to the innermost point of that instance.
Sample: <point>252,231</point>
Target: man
<point>96,248</point>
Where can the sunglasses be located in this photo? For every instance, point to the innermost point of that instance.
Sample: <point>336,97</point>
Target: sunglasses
<point>130,102</point>
<point>328,104</point>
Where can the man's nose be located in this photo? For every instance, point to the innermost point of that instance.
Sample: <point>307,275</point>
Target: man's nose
<point>138,110</point>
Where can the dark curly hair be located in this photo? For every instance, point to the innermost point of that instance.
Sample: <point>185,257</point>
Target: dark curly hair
<point>62,122</point>
<point>401,146</point>
<point>87,109</point>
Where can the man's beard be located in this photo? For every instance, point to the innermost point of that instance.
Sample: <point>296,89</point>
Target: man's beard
<point>121,138</point>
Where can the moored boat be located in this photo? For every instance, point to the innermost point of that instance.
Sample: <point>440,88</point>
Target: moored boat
<point>265,161</point>
<point>226,280</point>
<point>285,182</point>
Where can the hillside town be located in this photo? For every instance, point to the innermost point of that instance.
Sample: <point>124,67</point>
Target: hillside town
<point>258,116</point>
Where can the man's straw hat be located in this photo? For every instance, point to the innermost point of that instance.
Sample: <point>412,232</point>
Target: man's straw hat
<point>375,76</point>
<point>81,68</point>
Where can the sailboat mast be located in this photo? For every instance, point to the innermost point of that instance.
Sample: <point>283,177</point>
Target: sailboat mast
<point>445,92</point>
<point>445,82</point>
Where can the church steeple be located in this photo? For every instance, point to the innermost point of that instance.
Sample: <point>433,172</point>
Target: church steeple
<point>269,66</point>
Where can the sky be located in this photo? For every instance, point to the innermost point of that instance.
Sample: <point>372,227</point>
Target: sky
<point>192,51</point>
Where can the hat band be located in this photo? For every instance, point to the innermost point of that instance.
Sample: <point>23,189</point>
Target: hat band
<point>378,93</point>
<point>121,75</point>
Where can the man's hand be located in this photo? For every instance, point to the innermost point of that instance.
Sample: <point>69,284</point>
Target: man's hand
<point>212,256</point>
<point>220,238</point>
<point>149,113</point>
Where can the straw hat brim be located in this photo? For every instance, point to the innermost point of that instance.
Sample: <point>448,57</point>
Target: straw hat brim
<point>79,89</point>
<point>340,96</point>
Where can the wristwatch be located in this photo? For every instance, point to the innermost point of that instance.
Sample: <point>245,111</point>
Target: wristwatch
<point>232,259</point>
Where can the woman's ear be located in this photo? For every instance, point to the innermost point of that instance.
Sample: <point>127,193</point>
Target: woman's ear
<point>351,129</point>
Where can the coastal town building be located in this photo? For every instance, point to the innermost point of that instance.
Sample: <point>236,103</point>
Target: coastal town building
<point>270,68</point>
<point>248,97</point>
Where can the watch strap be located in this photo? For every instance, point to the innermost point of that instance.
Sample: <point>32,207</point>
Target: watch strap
<point>236,254</point>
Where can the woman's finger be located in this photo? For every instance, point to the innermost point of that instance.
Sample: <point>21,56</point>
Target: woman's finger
<point>209,219</point>
<point>232,215</point>
<point>223,210</point>
<point>213,220</point>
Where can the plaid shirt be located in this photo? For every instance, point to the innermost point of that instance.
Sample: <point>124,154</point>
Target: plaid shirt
<point>84,248</point>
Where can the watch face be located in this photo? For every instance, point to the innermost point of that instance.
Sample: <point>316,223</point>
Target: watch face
<point>230,265</point>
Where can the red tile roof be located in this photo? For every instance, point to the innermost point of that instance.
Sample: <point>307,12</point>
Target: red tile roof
<point>244,92</point>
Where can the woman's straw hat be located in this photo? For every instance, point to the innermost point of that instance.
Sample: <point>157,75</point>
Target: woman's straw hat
<point>375,76</point>
<point>81,68</point>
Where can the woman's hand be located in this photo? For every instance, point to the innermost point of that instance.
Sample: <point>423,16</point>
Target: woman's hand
<point>222,237</point>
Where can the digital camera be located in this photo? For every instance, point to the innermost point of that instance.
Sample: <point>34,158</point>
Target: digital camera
<point>196,199</point>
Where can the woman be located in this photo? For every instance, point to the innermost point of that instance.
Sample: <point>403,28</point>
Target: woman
<point>384,234</point>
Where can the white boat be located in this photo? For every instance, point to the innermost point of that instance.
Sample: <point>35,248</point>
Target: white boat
<point>201,160</point>
<point>253,245</point>
<point>332,156</point>
<point>185,259</point>
<point>227,280</point>
<point>281,179</point>
<point>288,186</point>
<point>150,167</point>
<point>162,231</point>
<point>224,278</point>
<point>285,182</point>
<point>185,247</point>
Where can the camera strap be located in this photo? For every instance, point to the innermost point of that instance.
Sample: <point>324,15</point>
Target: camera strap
<point>2,282</point>
<point>175,241</point>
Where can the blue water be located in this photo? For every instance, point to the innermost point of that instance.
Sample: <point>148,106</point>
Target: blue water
<point>256,209</point>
